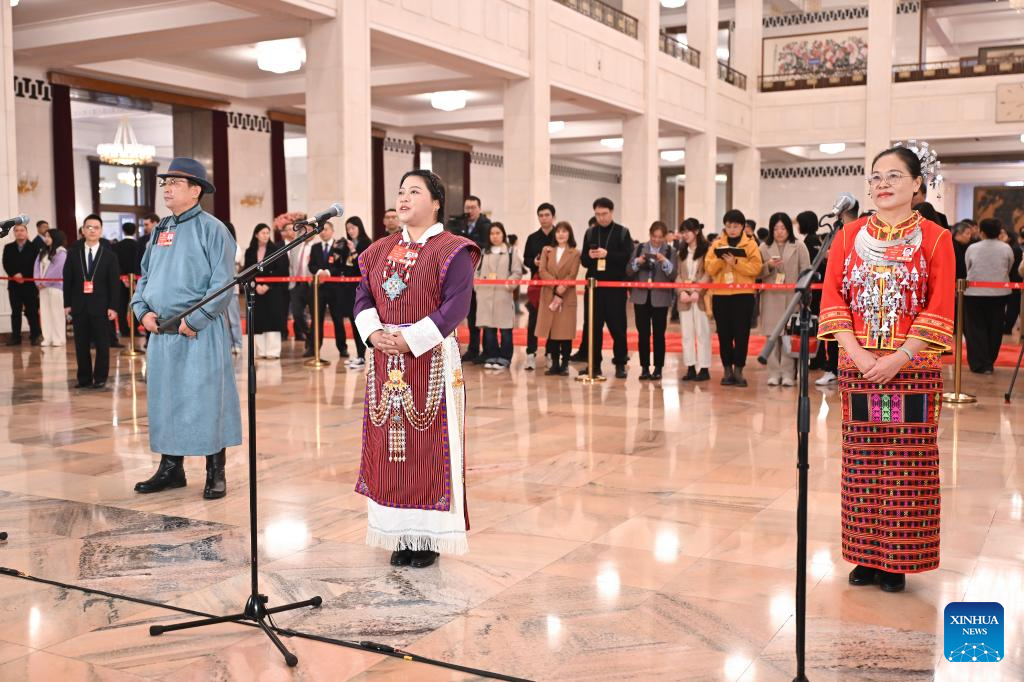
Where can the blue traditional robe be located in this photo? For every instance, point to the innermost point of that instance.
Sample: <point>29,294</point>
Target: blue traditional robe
<point>193,400</point>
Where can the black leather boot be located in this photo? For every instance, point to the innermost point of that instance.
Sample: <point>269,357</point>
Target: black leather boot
<point>691,374</point>
<point>422,559</point>
<point>864,575</point>
<point>737,377</point>
<point>216,486</point>
<point>728,379</point>
<point>169,474</point>
<point>892,582</point>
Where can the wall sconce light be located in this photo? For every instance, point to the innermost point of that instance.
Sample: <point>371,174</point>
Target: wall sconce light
<point>252,199</point>
<point>27,183</point>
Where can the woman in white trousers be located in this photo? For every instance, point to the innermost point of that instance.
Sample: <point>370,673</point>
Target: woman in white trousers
<point>693,316</point>
<point>50,265</point>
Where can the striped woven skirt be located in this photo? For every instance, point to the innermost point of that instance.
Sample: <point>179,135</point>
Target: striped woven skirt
<point>890,484</point>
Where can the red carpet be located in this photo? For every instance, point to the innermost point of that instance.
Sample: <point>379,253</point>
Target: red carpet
<point>673,343</point>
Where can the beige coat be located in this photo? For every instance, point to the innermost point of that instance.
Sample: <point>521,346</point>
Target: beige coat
<point>495,306</point>
<point>560,326</point>
<point>795,259</point>
<point>698,275</point>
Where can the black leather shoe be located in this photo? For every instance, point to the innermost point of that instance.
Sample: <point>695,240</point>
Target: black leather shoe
<point>620,372</point>
<point>691,374</point>
<point>578,356</point>
<point>36,340</point>
<point>344,353</point>
<point>892,582</point>
<point>645,374</point>
<point>401,557</point>
<point>14,341</point>
<point>308,354</point>
<point>422,559</point>
<point>863,575</point>
<point>99,385</point>
<point>728,379</point>
<point>703,375</point>
<point>553,371</point>
<point>216,486</point>
<point>656,374</point>
<point>583,372</point>
<point>83,384</point>
<point>169,474</point>
<point>470,356</point>
<point>738,379</point>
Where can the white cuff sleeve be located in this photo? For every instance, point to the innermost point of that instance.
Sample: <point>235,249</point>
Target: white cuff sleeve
<point>422,336</point>
<point>368,322</point>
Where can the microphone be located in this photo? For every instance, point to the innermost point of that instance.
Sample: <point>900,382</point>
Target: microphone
<point>335,210</point>
<point>7,225</point>
<point>844,202</point>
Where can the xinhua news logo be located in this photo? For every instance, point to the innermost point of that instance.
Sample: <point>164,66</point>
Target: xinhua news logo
<point>973,632</point>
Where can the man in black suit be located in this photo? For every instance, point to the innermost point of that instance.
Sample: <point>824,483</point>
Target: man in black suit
<point>149,224</point>
<point>91,296</point>
<point>42,227</point>
<point>475,226</point>
<point>327,259</point>
<point>606,249</point>
<point>19,261</point>
<point>128,263</point>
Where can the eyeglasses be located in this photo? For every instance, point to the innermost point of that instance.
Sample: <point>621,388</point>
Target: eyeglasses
<point>172,182</point>
<point>891,178</point>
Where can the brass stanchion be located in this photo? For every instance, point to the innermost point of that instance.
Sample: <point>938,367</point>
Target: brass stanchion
<point>315,362</point>
<point>590,377</point>
<point>957,397</point>
<point>131,352</point>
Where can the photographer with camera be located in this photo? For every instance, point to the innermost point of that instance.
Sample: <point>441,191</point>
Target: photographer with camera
<point>652,261</point>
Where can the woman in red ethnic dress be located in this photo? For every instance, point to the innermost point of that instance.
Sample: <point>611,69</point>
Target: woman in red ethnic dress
<point>416,288</point>
<point>888,300</point>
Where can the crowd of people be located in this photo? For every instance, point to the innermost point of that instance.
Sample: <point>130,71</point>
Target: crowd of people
<point>740,253</point>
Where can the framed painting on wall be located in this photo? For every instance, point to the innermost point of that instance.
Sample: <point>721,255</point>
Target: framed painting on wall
<point>1004,203</point>
<point>815,53</point>
<point>1000,53</point>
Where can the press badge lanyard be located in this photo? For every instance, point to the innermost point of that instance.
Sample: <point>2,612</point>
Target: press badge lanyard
<point>87,285</point>
<point>601,262</point>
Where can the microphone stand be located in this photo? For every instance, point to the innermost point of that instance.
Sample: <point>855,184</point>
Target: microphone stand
<point>255,610</point>
<point>802,300</point>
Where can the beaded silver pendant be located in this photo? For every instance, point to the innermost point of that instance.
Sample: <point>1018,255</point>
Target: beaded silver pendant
<point>394,286</point>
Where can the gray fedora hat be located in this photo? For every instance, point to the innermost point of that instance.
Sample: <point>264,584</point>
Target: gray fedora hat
<point>190,169</point>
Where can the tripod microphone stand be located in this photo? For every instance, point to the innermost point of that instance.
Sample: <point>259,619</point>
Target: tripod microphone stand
<point>802,300</point>
<point>255,610</point>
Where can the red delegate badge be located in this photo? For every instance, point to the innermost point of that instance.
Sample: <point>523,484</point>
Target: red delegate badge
<point>87,287</point>
<point>165,239</point>
<point>398,254</point>
<point>900,254</point>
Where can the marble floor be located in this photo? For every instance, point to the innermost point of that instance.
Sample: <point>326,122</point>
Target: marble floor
<point>626,531</point>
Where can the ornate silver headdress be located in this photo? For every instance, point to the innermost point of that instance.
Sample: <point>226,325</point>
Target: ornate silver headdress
<point>929,158</point>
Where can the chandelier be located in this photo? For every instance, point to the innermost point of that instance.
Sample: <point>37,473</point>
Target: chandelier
<point>131,178</point>
<point>125,150</point>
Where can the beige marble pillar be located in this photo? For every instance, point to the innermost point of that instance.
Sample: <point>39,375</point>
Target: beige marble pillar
<point>8,149</point>
<point>338,111</point>
<point>746,46</point>
<point>878,130</point>
<point>640,155</point>
<point>746,184</point>
<point>702,148</point>
<point>526,145</point>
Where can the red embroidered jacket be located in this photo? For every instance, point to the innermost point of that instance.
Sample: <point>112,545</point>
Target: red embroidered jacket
<point>884,305</point>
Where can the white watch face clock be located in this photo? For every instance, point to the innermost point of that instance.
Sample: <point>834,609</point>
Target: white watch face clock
<point>1010,103</point>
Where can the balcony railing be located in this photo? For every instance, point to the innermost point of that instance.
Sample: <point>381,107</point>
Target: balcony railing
<point>810,81</point>
<point>606,14</point>
<point>731,76</point>
<point>678,50</point>
<point>966,67</point>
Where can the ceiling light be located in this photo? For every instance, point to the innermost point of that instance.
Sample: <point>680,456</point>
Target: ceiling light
<point>125,150</point>
<point>673,155</point>
<point>14,3</point>
<point>612,142</point>
<point>722,53</point>
<point>832,147</point>
<point>1015,183</point>
<point>1022,138</point>
<point>280,56</point>
<point>672,4</point>
<point>449,100</point>
<point>721,178</point>
<point>555,127</point>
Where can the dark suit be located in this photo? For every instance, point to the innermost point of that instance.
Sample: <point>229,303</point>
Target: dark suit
<point>25,295</point>
<point>480,233</point>
<point>128,259</point>
<point>332,260</point>
<point>89,310</point>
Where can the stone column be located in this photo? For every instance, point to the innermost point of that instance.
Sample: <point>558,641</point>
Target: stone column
<point>746,47</point>
<point>702,148</point>
<point>746,182</point>
<point>8,134</point>
<point>640,154</point>
<point>526,144</point>
<point>338,111</point>
<point>878,131</point>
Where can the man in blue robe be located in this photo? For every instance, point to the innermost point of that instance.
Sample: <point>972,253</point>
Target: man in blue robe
<point>192,397</point>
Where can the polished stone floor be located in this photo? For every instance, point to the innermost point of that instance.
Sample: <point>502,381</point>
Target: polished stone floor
<point>626,531</point>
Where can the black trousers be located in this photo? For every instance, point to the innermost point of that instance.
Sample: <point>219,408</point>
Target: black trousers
<point>983,328</point>
<point>474,331</point>
<point>1012,310</point>
<point>531,329</point>
<point>648,319</point>
<point>585,333</point>
<point>122,313</point>
<point>610,310</point>
<point>559,352</point>
<point>24,297</point>
<point>91,329</point>
<point>732,322</point>
<point>299,300</point>
<point>331,300</point>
